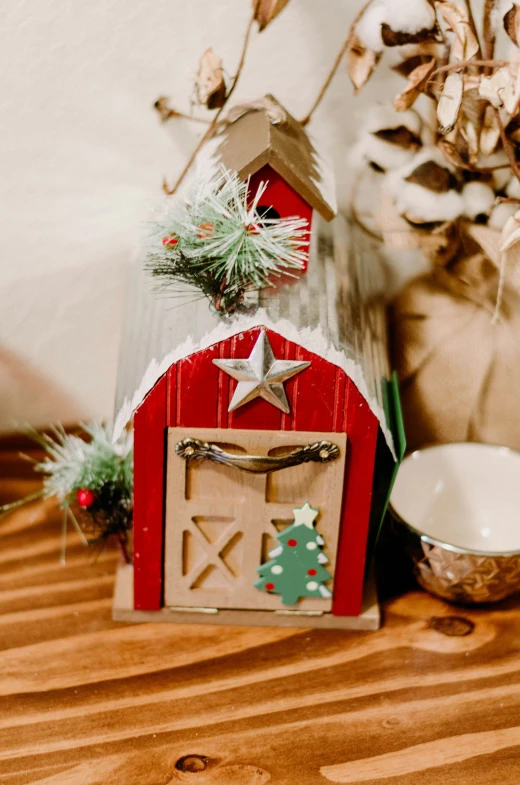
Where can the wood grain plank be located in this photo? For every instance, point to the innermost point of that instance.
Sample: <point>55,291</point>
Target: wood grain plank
<point>423,756</point>
<point>86,701</point>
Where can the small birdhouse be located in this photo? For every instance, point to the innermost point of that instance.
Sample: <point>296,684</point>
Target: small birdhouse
<point>261,439</point>
<point>263,143</point>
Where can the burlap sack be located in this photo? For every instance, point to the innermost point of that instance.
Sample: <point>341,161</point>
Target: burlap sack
<point>459,367</point>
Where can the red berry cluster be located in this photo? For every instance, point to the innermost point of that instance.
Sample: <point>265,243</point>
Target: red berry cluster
<point>170,240</point>
<point>85,498</point>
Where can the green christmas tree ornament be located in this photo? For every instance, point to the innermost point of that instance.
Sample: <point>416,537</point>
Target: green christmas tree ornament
<point>296,568</point>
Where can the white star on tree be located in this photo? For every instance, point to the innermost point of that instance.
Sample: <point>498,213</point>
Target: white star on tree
<point>261,375</point>
<point>305,516</point>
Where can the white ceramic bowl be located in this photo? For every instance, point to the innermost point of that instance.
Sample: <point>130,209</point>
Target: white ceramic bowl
<point>459,506</point>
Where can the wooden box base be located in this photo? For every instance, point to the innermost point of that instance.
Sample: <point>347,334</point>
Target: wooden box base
<point>123,610</point>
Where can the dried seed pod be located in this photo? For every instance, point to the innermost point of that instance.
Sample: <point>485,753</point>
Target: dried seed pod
<point>512,23</point>
<point>434,177</point>
<point>417,83</point>
<point>361,62</point>
<point>489,133</point>
<point>450,101</point>
<point>465,45</point>
<point>491,87</point>
<point>511,93</point>
<point>267,10</point>
<point>210,85</point>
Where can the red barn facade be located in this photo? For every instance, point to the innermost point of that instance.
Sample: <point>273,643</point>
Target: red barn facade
<point>201,526</point>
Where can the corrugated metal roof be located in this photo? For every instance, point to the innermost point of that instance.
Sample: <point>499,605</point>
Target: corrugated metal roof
<point>335,310</point>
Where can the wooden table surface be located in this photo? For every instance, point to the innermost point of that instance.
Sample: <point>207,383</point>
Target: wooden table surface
<point>86,701</point>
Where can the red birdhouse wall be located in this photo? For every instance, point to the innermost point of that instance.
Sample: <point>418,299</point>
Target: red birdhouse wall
<point>281,196</point>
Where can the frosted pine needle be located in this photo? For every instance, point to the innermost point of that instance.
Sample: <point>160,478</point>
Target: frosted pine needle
<point>96,469</point>
<point>215,239</point>
<point>73,463</point>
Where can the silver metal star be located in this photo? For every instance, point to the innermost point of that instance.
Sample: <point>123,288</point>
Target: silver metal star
<point>261,374</point>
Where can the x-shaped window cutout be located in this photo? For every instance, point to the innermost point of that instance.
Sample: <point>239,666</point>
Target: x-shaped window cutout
<point>212,551</point>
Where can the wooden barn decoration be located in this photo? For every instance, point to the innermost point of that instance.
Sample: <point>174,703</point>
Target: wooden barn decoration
<point>248,425</point>
<point>264,143</point>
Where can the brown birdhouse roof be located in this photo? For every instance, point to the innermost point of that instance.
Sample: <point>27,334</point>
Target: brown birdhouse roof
<point>263,132</point>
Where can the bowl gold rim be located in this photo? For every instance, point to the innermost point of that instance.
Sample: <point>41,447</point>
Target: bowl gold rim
<point>440,543</point>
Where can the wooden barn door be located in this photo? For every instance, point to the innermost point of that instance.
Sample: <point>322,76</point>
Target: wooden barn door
<point>221,522</point>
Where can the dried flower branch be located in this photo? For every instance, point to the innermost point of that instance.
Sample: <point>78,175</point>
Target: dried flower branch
<point>470,64</point>
<point>462,170</point>
<point>167,112</point>
<point>266,10</point>
<point>350,43</point>
<point>488,28</point>
<point>472,24</point>
<point>214,123</point>
<point>210,85</point>
<point>508,147</point>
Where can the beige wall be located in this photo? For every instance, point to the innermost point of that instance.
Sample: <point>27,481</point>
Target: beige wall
<point>82,156</point>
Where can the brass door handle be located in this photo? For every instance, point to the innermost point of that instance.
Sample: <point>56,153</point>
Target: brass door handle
<point>319,452</point>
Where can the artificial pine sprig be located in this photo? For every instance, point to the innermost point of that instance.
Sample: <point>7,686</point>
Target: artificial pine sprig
<point>72,463</point>
<point>93,475</point>
<point>97,474</point>
<point>216,240</point>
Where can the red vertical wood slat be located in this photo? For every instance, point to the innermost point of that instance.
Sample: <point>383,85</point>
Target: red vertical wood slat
<point>314,397</point>
<point>290,389</point>
<point>224,386</point>
<point>198,389</point>
<point>257,414</point>
<point>149,474</point>
<point>338,418</point>
<point>171,396</point>
<point>362,429</point>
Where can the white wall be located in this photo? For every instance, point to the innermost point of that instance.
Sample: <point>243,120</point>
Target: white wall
<point>82,155</point>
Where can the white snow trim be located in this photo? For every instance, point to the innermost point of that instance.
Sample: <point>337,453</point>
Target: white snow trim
<point>311,339</point>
